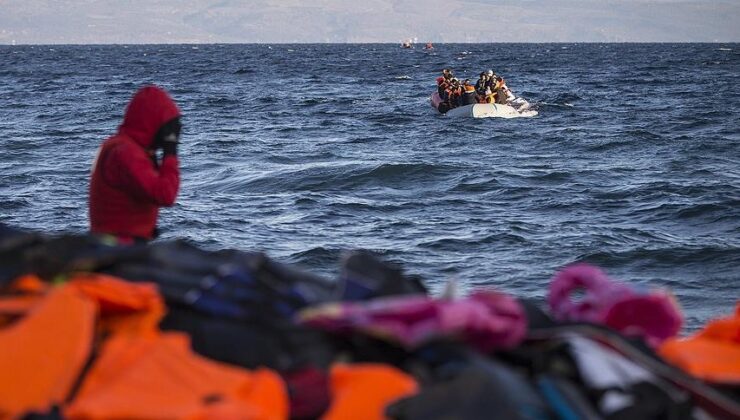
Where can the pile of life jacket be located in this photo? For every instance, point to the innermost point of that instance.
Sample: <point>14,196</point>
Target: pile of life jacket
<point>92,329</point>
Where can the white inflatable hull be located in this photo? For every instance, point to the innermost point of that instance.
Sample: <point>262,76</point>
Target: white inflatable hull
<point>487,110</point>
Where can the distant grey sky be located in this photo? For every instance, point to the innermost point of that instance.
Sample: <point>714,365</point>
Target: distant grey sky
<point>277,21</point>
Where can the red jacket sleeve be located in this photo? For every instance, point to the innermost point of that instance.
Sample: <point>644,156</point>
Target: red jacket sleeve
<point>135,173</point>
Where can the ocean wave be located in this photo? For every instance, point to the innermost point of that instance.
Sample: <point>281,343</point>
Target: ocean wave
<point>611,145</point>
<point>366,139</point>
<point>380,207</point>
<point>222,101</point>
<point>320,177</point>
<point>391,118</point>
<point>15,204</point>
<point>550,176</point>
<point>563,98</point>
<point>316,257</point>
<point>710,212</point>
<point>643,134</point>
<point>314,101</point>
<point>476,184</point>
<point>405,171</point>
<point>504,239</point>
<point>677,255</point>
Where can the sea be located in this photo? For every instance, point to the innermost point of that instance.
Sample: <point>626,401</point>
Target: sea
<point>307,151</point>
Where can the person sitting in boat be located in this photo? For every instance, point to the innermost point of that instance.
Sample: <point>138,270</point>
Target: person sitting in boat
<point>491,80</point>
<point>480,86</point>
<point>442,86</point>
<point>510,97</point>
<point>446,75</point>
<point>468,96</point>
<point>500,91</point>
<point>443,83</point>
<point>496,91</point>
<point>448,93</point>
<point>454,93</point>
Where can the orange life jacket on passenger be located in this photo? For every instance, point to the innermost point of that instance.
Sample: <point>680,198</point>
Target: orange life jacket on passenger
<point>491,98</point>
<point>453,94</point>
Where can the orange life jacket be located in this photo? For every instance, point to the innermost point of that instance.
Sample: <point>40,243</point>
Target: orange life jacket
<point>168,381</point>
<point>42,355</point>
<point>362,391</point>
<point>44,352</point>
<point>712,354</point>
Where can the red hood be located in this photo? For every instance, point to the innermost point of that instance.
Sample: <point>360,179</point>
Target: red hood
<point>148,110</point>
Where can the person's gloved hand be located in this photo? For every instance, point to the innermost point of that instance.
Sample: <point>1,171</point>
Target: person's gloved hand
<point>168,136</point>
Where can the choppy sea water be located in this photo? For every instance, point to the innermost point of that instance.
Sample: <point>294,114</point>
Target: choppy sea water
<point>304,151</point>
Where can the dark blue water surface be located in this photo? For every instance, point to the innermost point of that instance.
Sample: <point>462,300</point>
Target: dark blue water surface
<point>304,151</point>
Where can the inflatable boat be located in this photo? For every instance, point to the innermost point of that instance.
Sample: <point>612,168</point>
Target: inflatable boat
<point>517,108</point>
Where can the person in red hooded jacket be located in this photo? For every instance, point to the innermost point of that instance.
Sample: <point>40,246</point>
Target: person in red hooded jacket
<point>129,184</point>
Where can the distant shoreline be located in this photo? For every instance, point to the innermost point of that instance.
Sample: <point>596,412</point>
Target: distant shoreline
<point>420,44</point>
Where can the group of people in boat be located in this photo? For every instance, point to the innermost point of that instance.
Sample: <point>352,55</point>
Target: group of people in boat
<point>489,88</point>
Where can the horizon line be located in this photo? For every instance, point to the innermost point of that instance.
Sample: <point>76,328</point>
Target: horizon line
<point>11,44</point>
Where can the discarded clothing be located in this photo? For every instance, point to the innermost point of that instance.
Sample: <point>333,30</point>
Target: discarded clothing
<point>469,357</point>
<point>621,383</point>
<point>486,320</point>
<point>479,390</point>
<point>653,315</point>
<point>364,277</point>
